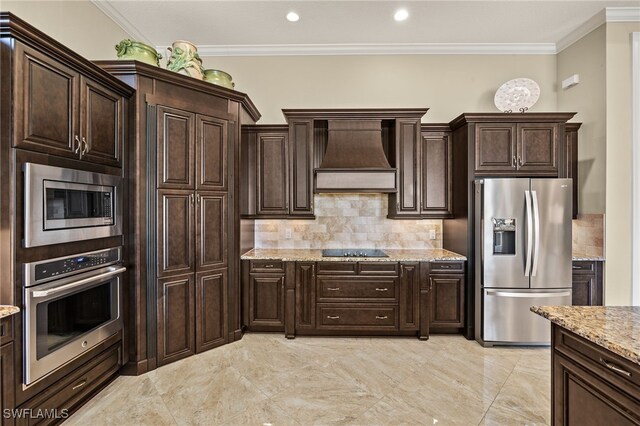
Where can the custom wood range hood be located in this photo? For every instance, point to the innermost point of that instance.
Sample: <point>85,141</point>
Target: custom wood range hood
<point>355,150</point>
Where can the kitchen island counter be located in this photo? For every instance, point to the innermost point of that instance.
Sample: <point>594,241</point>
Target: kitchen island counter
<point>314,255</point>
<point>8,310</point>
<point>616,328</point>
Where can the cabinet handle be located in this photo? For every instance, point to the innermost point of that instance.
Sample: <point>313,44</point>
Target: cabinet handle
<point>513,161</point>
<point>198,198</point>
<point>333,317</point>
<point>520,161</point>
<point>381,289</point>
<point>381,318</point>
<point>333,288</point>
<point>2,330</point>
<point>430,284</point>
<point>401,271</point>
<point>269,265</point>
<point>575,267</point>
<point>79,385</point>
<point>87,145</point>
<point>313,271</point>
<point>77,148</point>
<point>84,149</point>
<point>615,368</point>
<point>191,198</point>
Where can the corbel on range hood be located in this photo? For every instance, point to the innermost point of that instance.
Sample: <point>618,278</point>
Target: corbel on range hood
<point>355,150</point>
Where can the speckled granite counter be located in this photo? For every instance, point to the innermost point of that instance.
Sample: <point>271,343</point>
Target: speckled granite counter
<point>616,328</point>
<point>312,255</point>
<point>6,310</point>
<point>587,257</point>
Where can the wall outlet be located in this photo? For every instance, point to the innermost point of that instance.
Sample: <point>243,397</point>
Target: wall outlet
<point>432,234</point>
<point>287,233</point>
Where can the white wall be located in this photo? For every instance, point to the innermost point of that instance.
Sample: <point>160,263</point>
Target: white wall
<point>79,25</point>
<point>448,84</point>
<point>619,160</point>
<point>587,58</point>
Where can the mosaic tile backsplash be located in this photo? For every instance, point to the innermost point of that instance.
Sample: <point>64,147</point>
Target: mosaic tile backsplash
<point>588,235</point>
<point>349,221</point>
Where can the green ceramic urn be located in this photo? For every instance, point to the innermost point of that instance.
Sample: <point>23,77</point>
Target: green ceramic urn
<point>129,49</point>
<point>218,77</point>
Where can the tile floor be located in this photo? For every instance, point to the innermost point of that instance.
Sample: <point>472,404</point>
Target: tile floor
<point>267,379</point>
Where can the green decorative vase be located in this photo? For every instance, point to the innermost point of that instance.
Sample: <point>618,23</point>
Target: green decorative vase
<point>184,59</point>
<point>218,77</point>
<point>129,49</point>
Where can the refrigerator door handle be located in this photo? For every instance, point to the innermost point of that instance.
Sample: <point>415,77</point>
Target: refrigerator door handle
<point>527,294</point>
<point>536,220</point>
<point>527,267</point>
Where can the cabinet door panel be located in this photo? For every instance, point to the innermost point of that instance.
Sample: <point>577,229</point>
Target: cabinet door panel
<point>301,139</point>
<point>305,295</point>
<point>273,186</point>
<point>175,232</point>
<point>266,301</point>
<point>101,122</point>
<point>211,143</point>
<point>46,99</point>
<point>584,287</point>
<point>436,175</point>
<point>538,147</point>
<point>211,230</point>
<point>175,318</point>
<point>407,197</point>
<point>571,147</point>
<point>7,381</point>
<point>409,296</point>
<point>447,301</point>
<point>176,138</point>
<point>495,147</point>
<point>211,290</point>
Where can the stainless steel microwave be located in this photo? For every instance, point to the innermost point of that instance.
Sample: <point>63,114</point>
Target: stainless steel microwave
<point>63,205</point>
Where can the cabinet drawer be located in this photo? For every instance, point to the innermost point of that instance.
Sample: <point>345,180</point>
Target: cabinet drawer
<point>267,266</point>
<point>357,317</point>
<point>336,289</point>
<point>6,330</point>
<point>597,359</point>
<point>378,268</point>
<point>337,268</point>
<point>446,267</point>
<point>583,266</point>
<point>68,392</point>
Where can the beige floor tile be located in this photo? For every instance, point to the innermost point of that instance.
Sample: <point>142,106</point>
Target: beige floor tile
<point>150,412</point>
<point>265,413</point>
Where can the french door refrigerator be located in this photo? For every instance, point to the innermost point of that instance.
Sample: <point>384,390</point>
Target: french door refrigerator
<point>523,256</point>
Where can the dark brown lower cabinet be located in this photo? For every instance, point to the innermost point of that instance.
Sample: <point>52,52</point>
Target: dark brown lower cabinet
<point>446,296</point>
<point>211,302</point>
<point>586,283</point>
<point>176,318</point>
<point>591,385</point>
<point>266,302</point>
<point>305,296</point>
<point>409,296</point>
<point>7,379</point>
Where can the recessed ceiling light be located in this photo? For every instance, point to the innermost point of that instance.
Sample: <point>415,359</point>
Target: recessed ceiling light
<point>292,17</point>
<point>401,15</point>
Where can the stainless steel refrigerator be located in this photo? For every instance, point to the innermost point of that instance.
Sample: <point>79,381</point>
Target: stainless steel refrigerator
<point>523,256</point>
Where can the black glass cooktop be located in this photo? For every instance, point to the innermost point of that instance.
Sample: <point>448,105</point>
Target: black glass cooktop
<point>353,253</point>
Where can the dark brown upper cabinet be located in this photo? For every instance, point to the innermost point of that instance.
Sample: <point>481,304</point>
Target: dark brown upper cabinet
<point>211,155</point>
<point>571,163</point>
<point>406,202</point>
<point>60,111</point>
<point>517,149</point>
<point>301,169</point>
<point>272,173</point>
<point>435,174</point>
<point>176,138</point>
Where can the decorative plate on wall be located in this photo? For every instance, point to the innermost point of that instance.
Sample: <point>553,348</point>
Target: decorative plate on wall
<point>518,94</point>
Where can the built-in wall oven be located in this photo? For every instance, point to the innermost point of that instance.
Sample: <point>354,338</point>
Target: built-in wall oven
<point>63,205</point>
<point>72,303</point>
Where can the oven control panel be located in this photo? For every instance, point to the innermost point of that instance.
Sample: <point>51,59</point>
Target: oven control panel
<point>39,272</point>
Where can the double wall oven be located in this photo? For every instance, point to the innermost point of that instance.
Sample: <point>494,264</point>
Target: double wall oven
<point>74,302</point>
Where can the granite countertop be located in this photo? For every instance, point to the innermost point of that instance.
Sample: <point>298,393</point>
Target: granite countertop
<point>6,310</point>
<point>616,328</point>
<point>587,257</point>
<point>310,255</point>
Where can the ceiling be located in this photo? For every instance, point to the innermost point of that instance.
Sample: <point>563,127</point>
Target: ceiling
<point>260,27</point>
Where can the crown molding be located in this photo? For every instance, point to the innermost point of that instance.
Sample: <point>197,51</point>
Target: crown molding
<point>609,14</point>
<point>378,49</point>
<point>106,8</point>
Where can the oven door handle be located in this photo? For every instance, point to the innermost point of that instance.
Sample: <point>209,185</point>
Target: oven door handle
<point>76,284</point>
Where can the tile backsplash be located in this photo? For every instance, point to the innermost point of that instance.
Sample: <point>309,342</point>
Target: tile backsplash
<point>348,221</point>
<point>588,235</point>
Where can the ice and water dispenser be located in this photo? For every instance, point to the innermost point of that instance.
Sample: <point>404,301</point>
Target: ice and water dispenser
<point>504,236</point>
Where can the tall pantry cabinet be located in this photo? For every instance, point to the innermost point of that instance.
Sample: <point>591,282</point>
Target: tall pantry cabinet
<point>185,226</point>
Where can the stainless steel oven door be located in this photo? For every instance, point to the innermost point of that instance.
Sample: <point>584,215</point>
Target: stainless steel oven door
<point>67,317</point>
<point>62,205</point>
